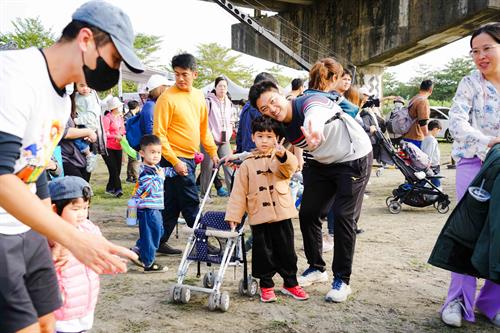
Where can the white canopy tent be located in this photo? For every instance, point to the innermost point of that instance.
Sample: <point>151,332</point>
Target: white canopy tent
<point>142,78</point>
<point>237,92</point>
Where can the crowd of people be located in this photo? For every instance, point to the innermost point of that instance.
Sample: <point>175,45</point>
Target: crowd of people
<point>51,254</point>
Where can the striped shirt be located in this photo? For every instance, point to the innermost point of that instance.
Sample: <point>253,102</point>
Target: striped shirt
<point>345,140</point>
<point>149,192</point>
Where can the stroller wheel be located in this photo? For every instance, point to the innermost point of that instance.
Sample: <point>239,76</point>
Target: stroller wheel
<point>185,295</point>
<point>208,280</point>
<point>213,299</point>
<point>171,292</point>
<point>253,287</point>
<point>442,208</point>
<point>241,288</point>
<point>394,207</point>
<point>175,294</point>
<point>388,200</point>
<point>224,301</point>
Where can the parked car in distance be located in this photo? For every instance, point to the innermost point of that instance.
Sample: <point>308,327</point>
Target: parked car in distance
<point>441,113</point>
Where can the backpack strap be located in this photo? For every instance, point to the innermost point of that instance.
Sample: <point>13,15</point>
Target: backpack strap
<point>335,117</point>
<point>412,103</point>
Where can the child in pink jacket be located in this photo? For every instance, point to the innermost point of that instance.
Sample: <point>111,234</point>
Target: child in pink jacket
<point>115,130</point>
<point>79,285</point>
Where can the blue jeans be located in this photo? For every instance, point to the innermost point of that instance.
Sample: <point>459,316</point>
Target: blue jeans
<point>437,170</point>
<point>150,232</point>
<point>81,144</point>
<point>181,195</point>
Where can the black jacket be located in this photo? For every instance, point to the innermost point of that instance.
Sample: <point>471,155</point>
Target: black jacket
<point>470,240</point>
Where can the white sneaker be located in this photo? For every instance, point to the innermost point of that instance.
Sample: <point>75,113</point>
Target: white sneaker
<point>496,320</point>
<point>452,313</point>
<point>91,162</point>
<point>339,292</point>
<point>327,242</point>
<point>311,276</point>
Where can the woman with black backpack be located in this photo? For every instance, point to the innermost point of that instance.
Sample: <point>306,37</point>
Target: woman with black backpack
<point>338,160</point>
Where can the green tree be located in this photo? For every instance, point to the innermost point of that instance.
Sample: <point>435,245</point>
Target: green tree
<point>394,87</point>
<point>145,46</point>
<point>282,79</point>
<point>424,72</point>
<point>446,80</point>
<point>28,32</point>
<point>390,84</point>
<point>215,60</point>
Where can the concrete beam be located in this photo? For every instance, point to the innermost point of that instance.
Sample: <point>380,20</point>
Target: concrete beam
<point>270,5</point>
<point>382,32</point>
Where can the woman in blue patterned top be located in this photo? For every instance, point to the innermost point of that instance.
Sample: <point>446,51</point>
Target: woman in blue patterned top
<point>475,126</point>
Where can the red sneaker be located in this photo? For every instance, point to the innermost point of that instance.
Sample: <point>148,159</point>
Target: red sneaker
<point>267,295</point>
<point>296,292</point>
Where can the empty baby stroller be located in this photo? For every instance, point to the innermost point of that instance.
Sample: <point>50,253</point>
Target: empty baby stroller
<point>418,190</point>
<point>213,243</point>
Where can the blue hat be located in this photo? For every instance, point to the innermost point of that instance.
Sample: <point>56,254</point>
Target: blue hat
<point>69,187</point>
<point>116,23</point>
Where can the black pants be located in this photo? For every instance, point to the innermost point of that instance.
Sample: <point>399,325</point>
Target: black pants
<point>181,195</point>
<point>273,252</point>
<point>217,181</point>
<point>28,281</point>
<point>114,163</point>
<point>71,170</point>
<point>341,185</point>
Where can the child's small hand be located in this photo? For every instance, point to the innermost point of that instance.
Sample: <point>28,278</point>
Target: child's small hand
<point>232,225</point>
<point>51,166</point>
<point>160,172</point>
<point>60,256</point>
<point>279,149</point>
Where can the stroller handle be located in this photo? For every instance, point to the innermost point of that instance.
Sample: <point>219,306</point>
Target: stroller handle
<point>223,161</point>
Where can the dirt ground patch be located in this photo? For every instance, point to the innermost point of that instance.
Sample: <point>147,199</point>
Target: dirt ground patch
<point>394,289</point>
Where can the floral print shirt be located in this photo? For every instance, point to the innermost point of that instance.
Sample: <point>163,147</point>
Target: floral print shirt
<point>474,117</point>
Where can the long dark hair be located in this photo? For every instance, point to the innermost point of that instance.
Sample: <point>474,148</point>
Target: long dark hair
<point>73,102</point>
<point>492,29</point>
<point>217,80</point>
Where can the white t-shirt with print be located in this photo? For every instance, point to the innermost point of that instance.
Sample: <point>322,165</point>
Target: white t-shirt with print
<point>31,109</point>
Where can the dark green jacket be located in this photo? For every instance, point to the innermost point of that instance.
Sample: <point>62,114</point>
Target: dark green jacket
<point>470,240</point>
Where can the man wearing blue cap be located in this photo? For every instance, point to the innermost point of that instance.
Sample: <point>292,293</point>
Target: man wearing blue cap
<point>34,109</point>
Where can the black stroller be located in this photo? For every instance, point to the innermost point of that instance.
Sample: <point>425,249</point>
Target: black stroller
<point>213,243</point>
<point>418,190</point>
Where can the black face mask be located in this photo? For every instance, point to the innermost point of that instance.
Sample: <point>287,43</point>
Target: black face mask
<point>102,77</point>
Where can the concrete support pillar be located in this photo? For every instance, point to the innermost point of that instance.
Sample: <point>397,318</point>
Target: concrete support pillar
<point>371,77</point>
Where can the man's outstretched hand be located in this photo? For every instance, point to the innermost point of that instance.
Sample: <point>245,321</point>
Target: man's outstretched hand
<point>313,138</point>
<point>99,254</point>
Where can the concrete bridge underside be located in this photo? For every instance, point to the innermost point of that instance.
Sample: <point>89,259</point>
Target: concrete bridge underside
<point>367,32</point>
<point>371,34</point>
